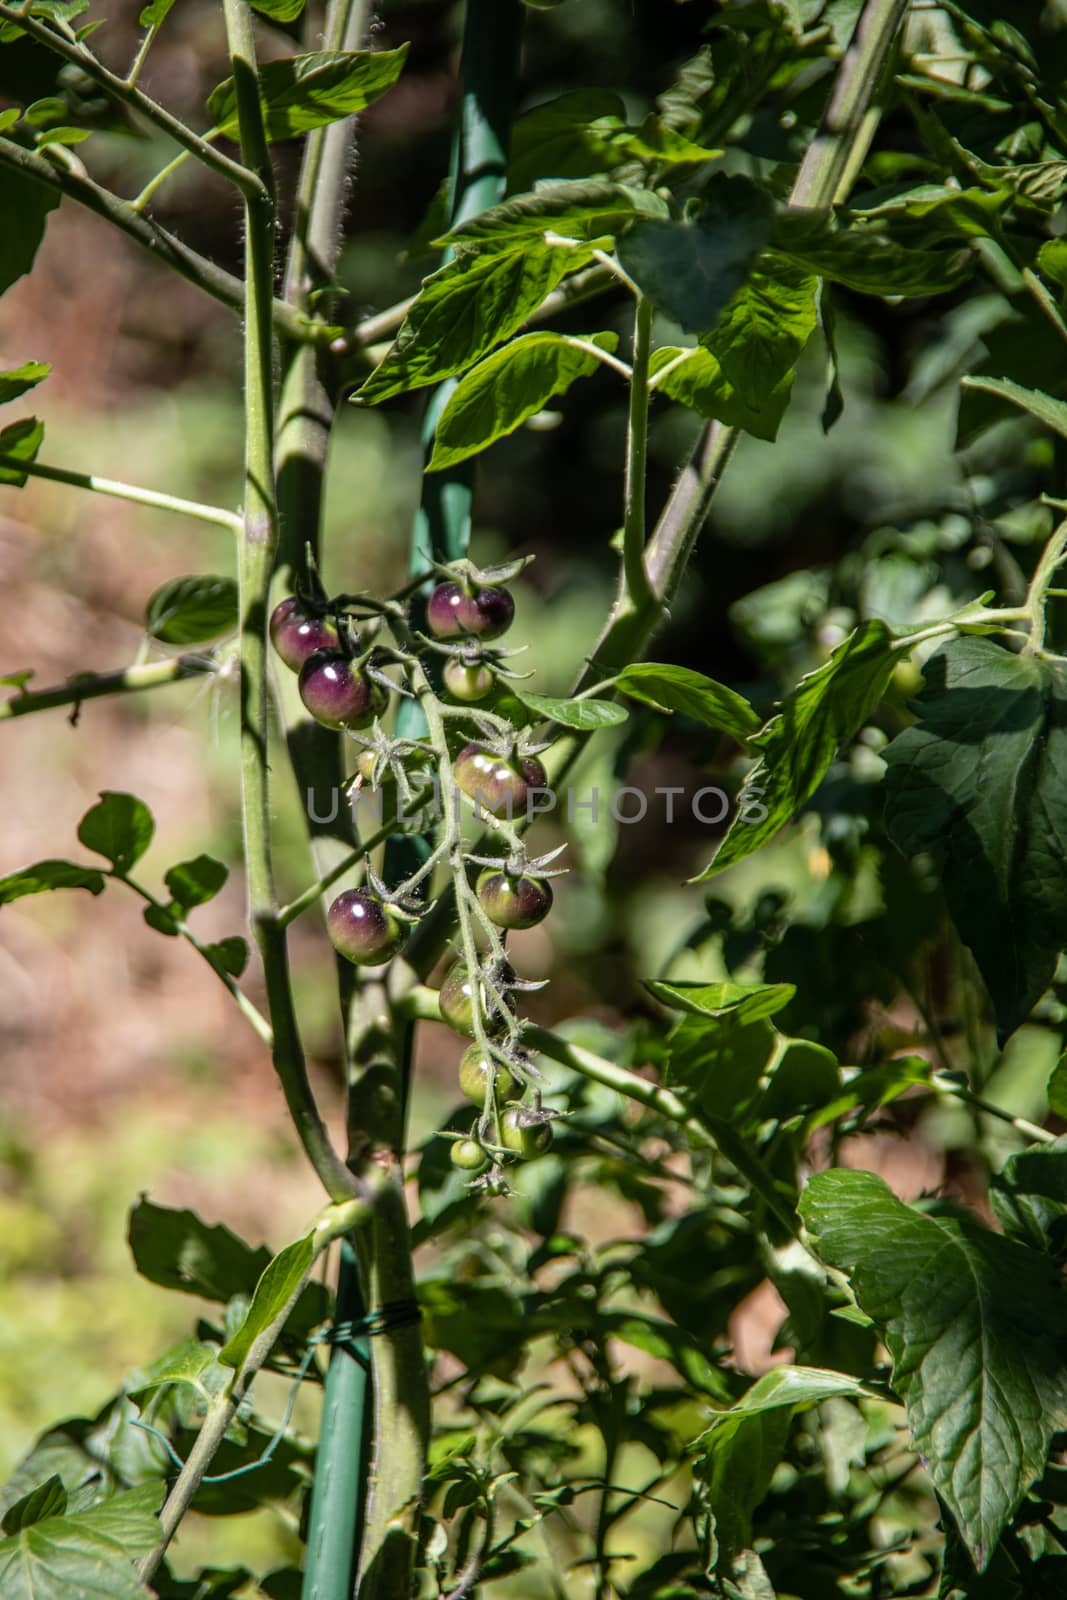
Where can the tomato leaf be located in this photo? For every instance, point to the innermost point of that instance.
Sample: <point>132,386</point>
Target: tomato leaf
<point>978,782</point>
<point>20,440</point>
<point>279,1283</point>
<point>192,610</point>
<point>299,93</point>
<point>84,1553</point>
<point>119,827</point>
<point>671,688</point>
<point>501,392</point>
<point>47,875</point>
<point>973,1323</point>
<point>587,715</point>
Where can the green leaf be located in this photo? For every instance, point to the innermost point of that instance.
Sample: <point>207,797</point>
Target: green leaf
<point>193,883</point>
<point>978,782</point>
<point>162,920</point>
<point>825,711</point>
<point>696,380</point>
<point>691,269</point>
<point>1029,1196</point>
<point>765,327</point>
<point>178,1251</point>
<point>24,206</point>
<point>47,875</point>
<point>17,680</point>
<point>570,137</point>
<point>462,311</point>
<point>281,1280</point>
<point>22,440</point>
<point>192,1361</point>
<point>507,387</point>
<point>19,379</point>
<point>745,1002</point>
<point>718,1064</point>
<point>86,1553</point>
<point>1052,413</point>
<point>299,93</point>
<point>587,715</point>
<point>671,688</point>
<point>155,15</point>
<point>192,610</point>
<point>1057,1088</point>
<point>736,1461</point>
<point>279,10</point>
<point>583,210</point>
<point>119,827</point>
<point>864,257</point>
<point>49,1499</point>
<point>229,955</point>
<point>656,143</point>
<point>972,1322</point>
<point>793,1387</point>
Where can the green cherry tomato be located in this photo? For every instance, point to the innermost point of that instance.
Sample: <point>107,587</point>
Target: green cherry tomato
<point>474,1073</point>
<point>468,1156</point>
<point>514,902</point>
<point>467,682</point>
<point>524,1134</point>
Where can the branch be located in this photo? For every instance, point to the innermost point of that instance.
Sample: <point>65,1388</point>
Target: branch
<point>155,498</point>
<point>247,181</point>
<point>94,685</point>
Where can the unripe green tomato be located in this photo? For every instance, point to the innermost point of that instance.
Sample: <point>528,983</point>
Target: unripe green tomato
<point>457,1007</point>
<point>526,1138</point>
<point>907,678</point>
<point>474,1074</point>
<point>467,682</point>
<point>468,1156</point>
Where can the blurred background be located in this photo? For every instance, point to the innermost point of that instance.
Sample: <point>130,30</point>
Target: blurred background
<point>123,1067</point>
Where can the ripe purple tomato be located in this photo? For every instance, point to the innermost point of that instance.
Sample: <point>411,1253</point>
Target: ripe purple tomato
<point>453,611</point>
<point>296,633</point>
<point>497,786</point>
<point>338,694</point>
<point>363,929</point>
<point>514,902</point>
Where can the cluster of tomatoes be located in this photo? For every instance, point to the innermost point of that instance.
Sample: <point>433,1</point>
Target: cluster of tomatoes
<point>346,689</point>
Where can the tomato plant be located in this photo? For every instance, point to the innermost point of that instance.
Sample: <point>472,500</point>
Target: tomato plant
<point>794,301</point>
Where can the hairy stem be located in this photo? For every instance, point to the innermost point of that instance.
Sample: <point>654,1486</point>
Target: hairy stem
<point>633,557</point>
<point>257,551</point>
<point>94,685</point>
<point>248,181</point>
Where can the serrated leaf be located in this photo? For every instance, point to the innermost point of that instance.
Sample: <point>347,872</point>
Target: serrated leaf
<point>299,93</point>
<point>980,782</point>
<point>195,882</point>
<point>764,329</point>
<point>972,1322</point>
<point>671,688</point>
<point>825,710</point>
<point>229,955</point>
<point>509,386</point>
<point>691,269</point>
<point>20,440</point>
<point>47,875</point>
<point>696,380</point>
<point>192,610</point>
<point>281,1280</point>
<point>1052,413</point>
<point>1029,1196</point>
<point>24,206</point>
<point>864,257</point>
<point>463,310</point>
<point>587,715</point>
<point>86,1553</point>
<point>585,210</point>
<point>718,1063</point>
<point>179,1251</point>
<point>570,137</point>
<point>17,380</point>
<point>119,827</point>
<point>746,1002</point>
<point>49,1499</point>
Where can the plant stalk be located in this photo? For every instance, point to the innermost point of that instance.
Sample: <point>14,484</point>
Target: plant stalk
<point>93,686</point>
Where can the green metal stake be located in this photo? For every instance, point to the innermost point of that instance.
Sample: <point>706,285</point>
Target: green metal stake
<point>492,36</point>
<point>337,1496</point>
